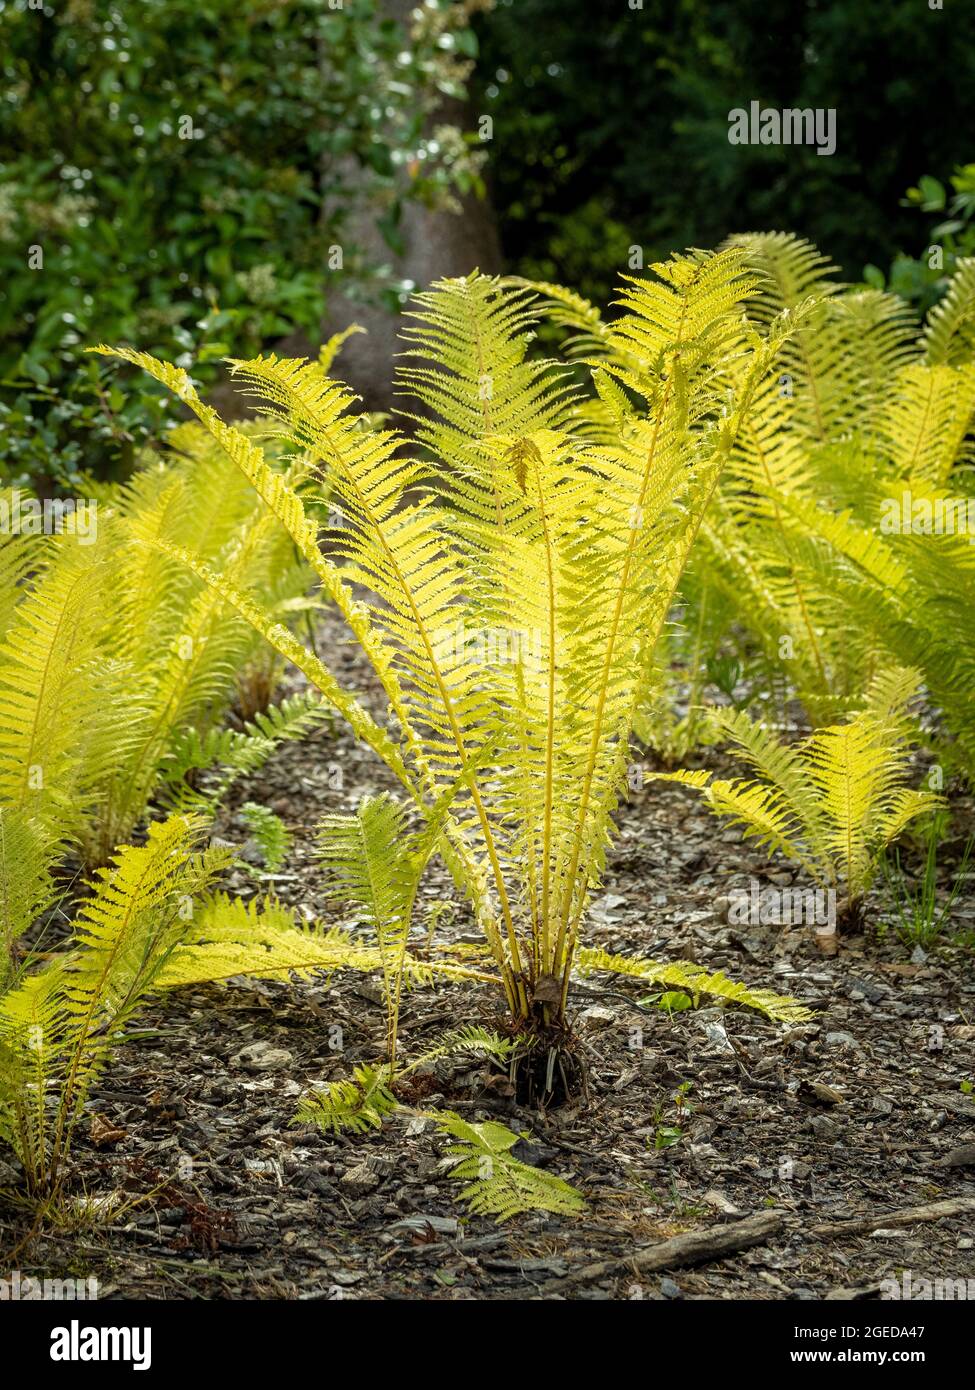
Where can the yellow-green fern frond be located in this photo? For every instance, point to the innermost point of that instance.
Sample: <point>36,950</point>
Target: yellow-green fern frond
<point>28,851</point>
<point>262,938</point>
<point>49,705</point>
<point>353,1107</point>
<point>497,1184</point>
<point>763,812</point>
<point>834,801</point>
<point>20,554</point>
<point>949,334</point>
<point>472,335</point>
<point>59,1024</point>
<point>697,982</point>
<point>927,421</point>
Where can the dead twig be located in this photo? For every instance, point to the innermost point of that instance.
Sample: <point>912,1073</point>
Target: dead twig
<point>692,1248</point>
<point>905,1216</point>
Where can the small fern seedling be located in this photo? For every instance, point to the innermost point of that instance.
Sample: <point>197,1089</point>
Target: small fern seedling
<point>268,832</point>
<point>496,1183</point>
<point>833,802</point>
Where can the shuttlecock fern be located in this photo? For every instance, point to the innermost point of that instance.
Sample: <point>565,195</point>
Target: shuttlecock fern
<point>831,802</point>
<point>511,592</point>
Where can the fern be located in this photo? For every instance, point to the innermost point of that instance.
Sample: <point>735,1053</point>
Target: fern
<point>353,1106</point>
<point>496,1183</point>
<point>28,851</point>
<point>697,982</point>
<point>263,938</point>
<point>857,412</point>
<point>475,1040</point>
<point>370,862</point>
<point>365,1101</point>
<point>560,554</point>
<point>239,752</point>
<point>60,1023</point>
<point>833,802</point>
<point>269,832</point>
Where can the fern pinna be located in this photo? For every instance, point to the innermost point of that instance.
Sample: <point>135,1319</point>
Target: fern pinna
<point>510,581</point>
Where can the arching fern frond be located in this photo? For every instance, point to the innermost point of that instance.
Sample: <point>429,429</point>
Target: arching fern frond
<point>949,334</point>
<point>697,982</point>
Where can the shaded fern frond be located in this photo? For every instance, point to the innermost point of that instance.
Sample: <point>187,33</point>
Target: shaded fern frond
<point>269,833</point>
<point>472,1039</point>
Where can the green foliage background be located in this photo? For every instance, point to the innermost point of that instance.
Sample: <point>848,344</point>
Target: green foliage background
<point>185,166</point>
<point>611,127</point>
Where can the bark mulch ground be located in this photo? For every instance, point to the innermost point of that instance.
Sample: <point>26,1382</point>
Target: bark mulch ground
<point>696,1122</point>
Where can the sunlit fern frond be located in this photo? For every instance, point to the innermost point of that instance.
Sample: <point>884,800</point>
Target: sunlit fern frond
<point>497,1184</point>
<point>140,908</point>
<point>466,363</point>
<point>264,939</point>
<point>949,333</point>
<point>789,269</point>
<point>333,345</point>
<point>367,862</point>
<point>696,981</point>
<point>781,765</point>
<point>28,851</point>
<point>48,707</point>
<point>913,593</point>
<point>21,554</point>
<point>586,330</point>
<point>680,325</point>
<point>351,1106</point>
<point>858,769</point>
<point>373,862</point>
<point>928,420</point>
<point>59,1024</point>
<point>283,641</point>
<point>889,696</point>
<point>187,683</point>
<point>34,1045</point>
<point>763,812</point>
<point>398,548</point>
<point>834,801</point>
<point>229,936</point>
<point>835,389</point>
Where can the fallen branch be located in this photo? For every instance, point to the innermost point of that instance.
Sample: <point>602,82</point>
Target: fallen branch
<point>692,1248</point>
<point>906,1216</point>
